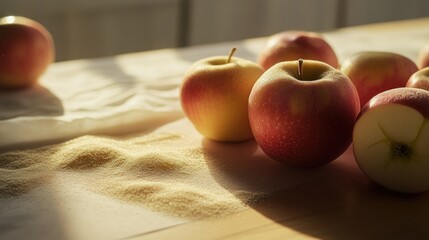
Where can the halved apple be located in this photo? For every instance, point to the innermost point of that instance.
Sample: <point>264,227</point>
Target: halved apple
<point>391,139</point>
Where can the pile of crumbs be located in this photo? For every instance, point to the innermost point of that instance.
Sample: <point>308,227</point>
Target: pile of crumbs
<point>158,171</point>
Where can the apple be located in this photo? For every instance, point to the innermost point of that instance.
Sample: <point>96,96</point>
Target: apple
<point>419,79</point>
<point>423,58</point>
<point>302,112</point>
<point>391,139</point>
<point>373,72</point>
<point>214,95</point>
<point>26,50</point>
<point>294,45</point>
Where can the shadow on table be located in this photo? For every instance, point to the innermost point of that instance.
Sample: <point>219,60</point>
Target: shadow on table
<point>335,201</point>
<point>29,213</point>
<point>34,101</point>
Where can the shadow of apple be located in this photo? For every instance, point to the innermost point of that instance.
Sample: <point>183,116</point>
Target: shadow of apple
<point>34,101</point>
<point>243,165</point>
<point>335,201</point>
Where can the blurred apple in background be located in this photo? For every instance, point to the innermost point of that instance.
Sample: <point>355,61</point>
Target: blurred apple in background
<point>294,45</point>
<point>214,96</point>
<point>373,72</point>
<point>26,50</point>
<point>302,112</point>
<point>420,79</point>
<point>391,139</point>
<point>423,58</point>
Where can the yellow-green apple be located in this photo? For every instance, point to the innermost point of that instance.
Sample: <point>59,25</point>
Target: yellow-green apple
<point>26,50</point>
<point>214,96</point>
<point>294,45</point>
<point>423,58</point>
<point>391,139</point>
<point>373,72</point>
<point>302,112</point>
<point>419,79</point>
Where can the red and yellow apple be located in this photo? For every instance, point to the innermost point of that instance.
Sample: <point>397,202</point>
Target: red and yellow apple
<point>26,50</point>
<point>423,58</point>
<point>373,72</point>
<point>294,45</point>
<point>419,79</point>
<point>214,96</point>
<point>302,112</point>
<point>391,139</point>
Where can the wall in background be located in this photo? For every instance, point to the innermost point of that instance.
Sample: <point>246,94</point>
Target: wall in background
<point>223,20</point>
<point>369,11</point>
<point>96,28</point>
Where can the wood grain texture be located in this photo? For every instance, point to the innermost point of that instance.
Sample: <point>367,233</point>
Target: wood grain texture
<point>336,201</point>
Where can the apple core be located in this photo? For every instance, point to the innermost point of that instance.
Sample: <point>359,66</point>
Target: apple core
<point>401,151</point>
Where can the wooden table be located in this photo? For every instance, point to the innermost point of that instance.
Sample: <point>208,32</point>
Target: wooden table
<point>337,202</point>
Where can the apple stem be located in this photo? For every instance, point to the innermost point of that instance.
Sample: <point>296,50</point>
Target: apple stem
<point>230,54</point>
<point>300,70</point>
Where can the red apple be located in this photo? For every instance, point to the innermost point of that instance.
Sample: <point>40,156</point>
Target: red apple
<point>391,139</point>
<point>374,72</point>
<point>294,45</point>
<point>419,79</point>
<point>423,58</point>
<point>302,112</point>
<point>214,96</point>
<point>26,50</point>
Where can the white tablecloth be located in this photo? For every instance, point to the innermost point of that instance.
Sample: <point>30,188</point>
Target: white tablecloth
<point>128,92</point>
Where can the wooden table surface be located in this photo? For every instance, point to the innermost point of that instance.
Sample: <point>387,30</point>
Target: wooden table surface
<point>337,202</point>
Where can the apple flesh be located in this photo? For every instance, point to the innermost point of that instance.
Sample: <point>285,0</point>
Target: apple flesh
<point>423,58</point>
<point>419,79</point>
<point>390,140</point>
<point>373,72</point>
<point>294,45</point>
<point>303,115</point>
<point>26,50</point>
<point>214,96</point>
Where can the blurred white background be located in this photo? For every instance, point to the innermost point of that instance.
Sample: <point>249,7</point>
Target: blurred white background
<point>97,28</point>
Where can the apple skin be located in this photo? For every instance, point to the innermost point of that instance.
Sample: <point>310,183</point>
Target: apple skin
<point>390,140</point>
<point>26,50</point>
<point>423,58</point>
<point>214,96</point>
<point>294,45</point>
<point>303,123</point>
<point>373,72</point>
<point>419,79</point>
